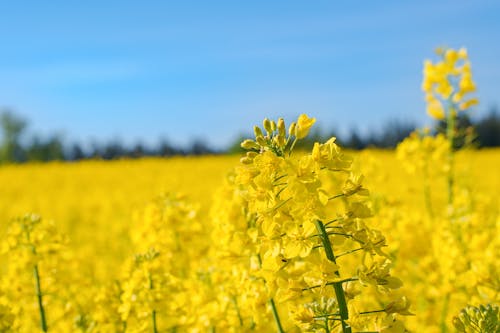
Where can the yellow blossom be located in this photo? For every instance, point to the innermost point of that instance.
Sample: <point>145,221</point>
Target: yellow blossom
<point>304,124</point>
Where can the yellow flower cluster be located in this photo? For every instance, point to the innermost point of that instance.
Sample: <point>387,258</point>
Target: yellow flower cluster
<point>447,82</point>
<point>423,155</point>
<point>33,279</point>
<point>478,319</point>
<point>153,291</point>
<point>459,265</point>
<point>303,236</point>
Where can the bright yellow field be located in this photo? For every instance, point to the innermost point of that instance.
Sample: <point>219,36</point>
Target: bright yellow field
<point>93,201</point>
<point>109,211</point>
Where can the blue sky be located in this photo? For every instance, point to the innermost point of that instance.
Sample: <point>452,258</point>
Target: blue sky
<point>99,70</point>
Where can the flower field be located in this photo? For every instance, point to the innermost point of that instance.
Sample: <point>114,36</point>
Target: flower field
<point>98,206</point>
<point>279,240</point>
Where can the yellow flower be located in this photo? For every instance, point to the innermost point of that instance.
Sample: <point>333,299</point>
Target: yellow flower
<point>303,317</point>
<point>462,53</point>
<point>304,124</point>
<point>440,83</point>
<point>466,84</point>
<point>391,325</point>
<point>451,56</point>
<point>299,241</point>
<point>401,306</point>
<point>467,104</point>
<point>435,110</point>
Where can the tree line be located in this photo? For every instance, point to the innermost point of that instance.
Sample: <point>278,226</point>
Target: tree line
<point>17,145</point>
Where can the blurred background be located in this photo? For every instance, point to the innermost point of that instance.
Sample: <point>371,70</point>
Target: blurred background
<point>123,78</point>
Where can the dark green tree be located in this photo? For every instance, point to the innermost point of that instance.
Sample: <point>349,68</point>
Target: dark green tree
<point>12,128</point>
<point>488,130</point>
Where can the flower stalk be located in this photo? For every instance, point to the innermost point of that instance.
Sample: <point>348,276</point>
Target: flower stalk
<point>39,295</point>
<point>450,135</point>
<point>276,316</point>
<point>153,312</point>
<point>337,286</point>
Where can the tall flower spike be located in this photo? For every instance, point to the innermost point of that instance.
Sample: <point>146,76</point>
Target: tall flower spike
<point>447,82</point>
<point>307,217</point>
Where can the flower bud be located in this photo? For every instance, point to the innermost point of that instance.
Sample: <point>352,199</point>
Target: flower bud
<point>248,158</point>
<point>261,141</point>
<point>316,152</point>
<point>281,127</point>
<point>273,126</point>
<point>440,50</point>
<point>279,141</point>
<point>267,125</point>
<point>451,56</point>
<point>251,154</point>
<point>257,131</point>
<point>400,306</point>
<point>462,53</point>
<point>249,144</point>
<point>459,326</point>
<point>291,129</point>
<point>245,160</point>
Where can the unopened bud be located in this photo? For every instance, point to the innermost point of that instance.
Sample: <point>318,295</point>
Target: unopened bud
<point>462,53</point>
<point>251,154</point>
<point>464,317</point>
<point>459,326</point>
<point>273,126</point>
<point>261,141</point>
<point>249,144</point>
<point>279,141</point>
<point>291,129</point>
<point>257,131</point>
<point>246,160</point>
<point>281,127</point>
<point>267,125</point>
<point>440,50</point>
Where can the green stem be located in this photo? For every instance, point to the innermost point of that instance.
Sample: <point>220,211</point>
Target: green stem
<point>153,312</point>
<point>352,251</point>
<point>370,312</point>
<point>337,286</point>
<point>292,146</point>
<point>444,312</point>
<point>329,315</point>
<point>333,221</point>
<point>279,205</point>
<point>153,319</point>
<point>337,196</point>
<point>235,302</point>
<point>273,305</point>
<point>276,316</point>
<point>330,283</point>
<point>38,289</point>
<point>450,134</point>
